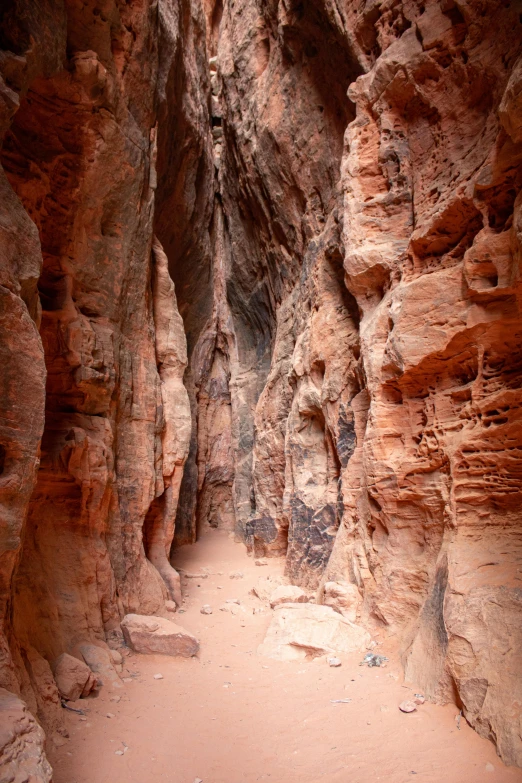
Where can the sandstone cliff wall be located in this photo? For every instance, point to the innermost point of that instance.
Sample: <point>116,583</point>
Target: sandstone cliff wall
<point>95,422</point>
<point>370,178</point>
<point>320,351</point>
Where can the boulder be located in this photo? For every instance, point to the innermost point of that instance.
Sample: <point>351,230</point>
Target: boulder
<point>300,631</point>
<point>73,677</point>
<point>288,594</point>
<point>148,634</point>
<point>99,660</point>
<point>344,597</point>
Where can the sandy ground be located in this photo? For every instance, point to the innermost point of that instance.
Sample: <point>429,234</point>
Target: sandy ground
<point>231,716</point>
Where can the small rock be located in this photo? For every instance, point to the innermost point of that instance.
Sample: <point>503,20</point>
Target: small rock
<point>236,575</point>
<point>232,608</point>
<point>262,561</point>
<point>218,587</point>
<point>418,698</point>
<point>206,609</point>
<point>232,601</point>
<point>158,676</point>
<point>195,576</point>
<point>127,679</point>
<point>111,715</point>
<point>407,706</point>
<point>490,767</point>
<point>118,753</point>
<point>116,657</point>
<point>334,662</point>
<point>116,698</point>
<point>198,780</point>
<point>171,606</point>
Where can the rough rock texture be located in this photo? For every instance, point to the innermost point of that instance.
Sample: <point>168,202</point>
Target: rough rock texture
<point>334,188</point>
<point>22,756</point>
<point>344,597</point>
<point>149,635</point>
<point>100,662</point>
<point>73,677</point>
<point>370,333</point>
<point>288,594</point>
<point>299,631</point>
<point>94,418</point>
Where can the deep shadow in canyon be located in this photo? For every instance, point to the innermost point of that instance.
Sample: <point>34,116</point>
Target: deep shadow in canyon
<point>260,271</point>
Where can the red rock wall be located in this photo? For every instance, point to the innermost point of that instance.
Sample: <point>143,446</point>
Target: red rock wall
<point>384,444</point>
<point>335,191</point>
<point>92,341</point>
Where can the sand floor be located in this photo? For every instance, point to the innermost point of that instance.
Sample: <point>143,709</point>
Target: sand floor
<point>231,716</point>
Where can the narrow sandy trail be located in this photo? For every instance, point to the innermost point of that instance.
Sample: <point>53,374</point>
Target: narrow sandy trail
<point>231,716</point>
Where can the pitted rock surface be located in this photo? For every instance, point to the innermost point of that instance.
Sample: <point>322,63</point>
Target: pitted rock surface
<point>261,272</point>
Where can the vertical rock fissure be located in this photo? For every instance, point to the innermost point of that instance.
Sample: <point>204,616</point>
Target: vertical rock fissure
<point>263,262</point>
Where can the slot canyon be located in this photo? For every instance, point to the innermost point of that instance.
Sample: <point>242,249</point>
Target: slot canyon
<point>260,299</point>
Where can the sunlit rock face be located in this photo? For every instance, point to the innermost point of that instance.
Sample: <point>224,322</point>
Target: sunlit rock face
<point>260,271</point>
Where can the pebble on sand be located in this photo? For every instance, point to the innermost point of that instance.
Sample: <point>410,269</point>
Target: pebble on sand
<point>206,609</point>
<point>407,706</point>
<point>334,662</point>
<point>158,676</point>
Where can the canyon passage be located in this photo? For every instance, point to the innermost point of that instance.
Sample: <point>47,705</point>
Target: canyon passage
<point>260,390</point>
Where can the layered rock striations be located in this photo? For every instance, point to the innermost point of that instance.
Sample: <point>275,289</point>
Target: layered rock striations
<point>370,177</point>
<point>95,421</point>
<point>260,271</point>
